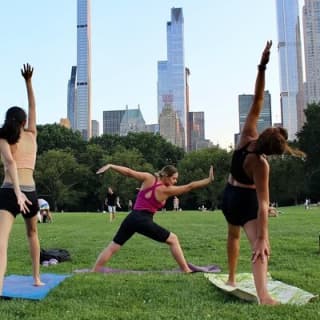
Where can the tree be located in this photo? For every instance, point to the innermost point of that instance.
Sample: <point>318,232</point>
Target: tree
<point>61,179</point>
<point>309,142</point>
<point>195,166</point>
<point>55,137</point>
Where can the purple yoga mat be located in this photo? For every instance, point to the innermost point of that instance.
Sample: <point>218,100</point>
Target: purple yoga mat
<point>208,269</point>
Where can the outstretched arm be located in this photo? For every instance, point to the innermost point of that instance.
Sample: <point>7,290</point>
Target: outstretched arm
<point>141,176</point>
<point>10,164</point>
<point>250,126</point>
<point>27,72</point>
<point>167,192</point>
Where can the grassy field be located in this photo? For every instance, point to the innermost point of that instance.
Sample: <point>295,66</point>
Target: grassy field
<point>155,295</point>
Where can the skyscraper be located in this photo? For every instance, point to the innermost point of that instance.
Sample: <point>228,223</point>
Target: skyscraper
<point>290,62</point>
<point>172,73</point>
<point>83,109</point>
<point>245,102</point>
<point>311,31</point>
<point>71,99</point>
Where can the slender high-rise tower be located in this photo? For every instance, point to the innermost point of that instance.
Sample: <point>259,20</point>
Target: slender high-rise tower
<point>290,62</point>
<point>83,110</point>
<point>171,74</point>
<point>311,31</point>
<point>71,99</point>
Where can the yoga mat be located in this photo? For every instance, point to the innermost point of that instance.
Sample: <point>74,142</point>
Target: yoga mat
<point>208,269</point>
<point>17,286</point>
<point>245,289</point>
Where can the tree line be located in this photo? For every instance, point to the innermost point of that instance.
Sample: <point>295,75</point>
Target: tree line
<point>66,165</point>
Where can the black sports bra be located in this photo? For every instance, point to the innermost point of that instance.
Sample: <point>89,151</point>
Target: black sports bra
<point>237,161</point>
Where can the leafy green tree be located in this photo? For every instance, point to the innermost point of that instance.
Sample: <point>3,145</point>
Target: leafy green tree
<point>194,166</point>
<point>309,142</point>
<point>61,179</point>
<point>55,137</point>
<point>287,180</point>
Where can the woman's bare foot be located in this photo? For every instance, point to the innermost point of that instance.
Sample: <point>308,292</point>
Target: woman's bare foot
<point>38,283</point>
<point>269,301</point>
<point>231,283</point>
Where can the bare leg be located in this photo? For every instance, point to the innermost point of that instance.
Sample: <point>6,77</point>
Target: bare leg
<point>177,252</point>
<point>105,256</point>
<point>34,248</point>
<point>233,248</point>
<point>6,222</point>
<point>259,268</point>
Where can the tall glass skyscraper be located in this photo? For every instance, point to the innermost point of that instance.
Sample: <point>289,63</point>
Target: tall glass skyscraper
<point>83,109</point>
<point>71,99</point>
<point>245,102</point>
<point>311,31</point>
<point>290,62</point>
<point>171,74</point>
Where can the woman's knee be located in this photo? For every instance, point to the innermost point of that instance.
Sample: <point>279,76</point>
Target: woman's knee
<point>172,239</point>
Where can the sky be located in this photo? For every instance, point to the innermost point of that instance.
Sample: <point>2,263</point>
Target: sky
<point>223,44</point>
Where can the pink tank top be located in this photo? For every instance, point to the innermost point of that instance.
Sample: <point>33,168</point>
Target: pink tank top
<point>149,204</point>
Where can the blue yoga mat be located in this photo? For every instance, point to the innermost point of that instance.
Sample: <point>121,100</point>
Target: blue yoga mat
<point>21,287</point>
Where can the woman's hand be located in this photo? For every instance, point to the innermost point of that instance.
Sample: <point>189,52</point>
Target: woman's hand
<point>104,168</point>
<point>27,71</point>
<point>23,202</point>
<point>261,250</point>
<point>266,54</point>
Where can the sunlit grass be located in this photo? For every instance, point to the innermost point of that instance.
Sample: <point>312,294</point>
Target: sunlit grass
<point>155,295</point>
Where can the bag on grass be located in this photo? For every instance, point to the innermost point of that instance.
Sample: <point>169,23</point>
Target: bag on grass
<point>58,254</point>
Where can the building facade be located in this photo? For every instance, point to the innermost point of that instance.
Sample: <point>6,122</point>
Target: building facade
<point>290,63</point>
<point>172,73</point>
<point>83,108</point>
<point>71,98</point>
<point>265,117</point>
<point>311,31</point>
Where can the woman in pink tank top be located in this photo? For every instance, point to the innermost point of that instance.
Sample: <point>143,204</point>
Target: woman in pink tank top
<point>154,191</point>
<point>17,193</point>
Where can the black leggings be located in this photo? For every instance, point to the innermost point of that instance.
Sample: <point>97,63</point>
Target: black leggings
<point>239,205</point>
<point>140,222</point>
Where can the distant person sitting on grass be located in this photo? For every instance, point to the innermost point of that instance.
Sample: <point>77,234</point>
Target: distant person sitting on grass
<point>44,210</point>
<point>154,191</point>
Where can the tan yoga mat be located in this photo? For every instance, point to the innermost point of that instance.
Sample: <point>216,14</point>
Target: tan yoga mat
<point>245,289</point>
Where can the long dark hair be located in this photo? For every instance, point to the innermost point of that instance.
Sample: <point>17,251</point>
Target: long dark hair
<point>273,141</point>
<point>15,118</point>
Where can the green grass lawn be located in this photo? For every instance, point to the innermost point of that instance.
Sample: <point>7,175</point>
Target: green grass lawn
<point>295,260</point>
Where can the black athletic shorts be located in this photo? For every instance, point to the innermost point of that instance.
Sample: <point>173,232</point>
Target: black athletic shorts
<point>239,205</point>
<point>8,202</point>
<point>140,222</point>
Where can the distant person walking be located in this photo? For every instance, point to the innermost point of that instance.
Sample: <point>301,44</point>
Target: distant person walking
<point>246,196</point>
<point>176,203</point>
<point>152,196</point>
<point>112,202</point>
<point>18,152</point>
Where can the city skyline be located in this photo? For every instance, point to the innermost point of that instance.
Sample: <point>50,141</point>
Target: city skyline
<point>127,42</point>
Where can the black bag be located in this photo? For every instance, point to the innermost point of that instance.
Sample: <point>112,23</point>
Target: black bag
<point>58,254</point>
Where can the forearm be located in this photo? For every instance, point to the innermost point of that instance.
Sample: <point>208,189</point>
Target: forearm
<point>120,169</point>
<point>13,173</point>
<point>32,105</point>
<point>262,224</point>
<point>260,84</point>
<point>200,183</point>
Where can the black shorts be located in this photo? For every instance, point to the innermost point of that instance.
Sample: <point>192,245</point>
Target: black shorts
<point>8,202</point>
<point>239,205</point>
<point>140,222</point>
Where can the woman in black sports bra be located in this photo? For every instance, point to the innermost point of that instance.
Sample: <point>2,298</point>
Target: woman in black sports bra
<point>246,196</point>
